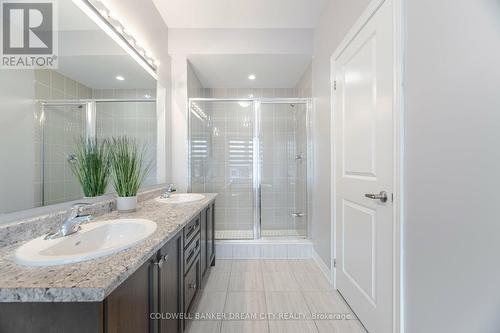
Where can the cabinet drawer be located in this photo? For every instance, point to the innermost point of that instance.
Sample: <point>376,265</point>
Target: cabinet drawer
<point>191,230</point>
<point>191,284</point>
<point>191,253</point>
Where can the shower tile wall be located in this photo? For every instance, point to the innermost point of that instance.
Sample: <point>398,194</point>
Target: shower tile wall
<point>62,125</point>
<point>283,178</point>
<point>134,119</point>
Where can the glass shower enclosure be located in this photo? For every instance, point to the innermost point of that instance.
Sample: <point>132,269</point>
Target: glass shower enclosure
<point>254,154</point>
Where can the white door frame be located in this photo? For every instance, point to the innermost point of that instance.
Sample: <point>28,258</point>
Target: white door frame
<point>398,134</point>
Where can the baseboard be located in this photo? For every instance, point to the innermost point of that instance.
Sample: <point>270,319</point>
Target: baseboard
<point>324,268</point>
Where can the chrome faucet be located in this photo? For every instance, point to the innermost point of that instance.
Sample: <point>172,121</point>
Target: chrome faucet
<point>169,191</point>
<point>72,223</point>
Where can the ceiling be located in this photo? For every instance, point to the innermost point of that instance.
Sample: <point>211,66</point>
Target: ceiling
<point>88,55</point>
<point>271,71</point>
<point>249,14</point>
<point>100,71</point>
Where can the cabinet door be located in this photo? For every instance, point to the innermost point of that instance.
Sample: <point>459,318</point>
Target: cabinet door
<point>210,234</point>
<point>170,270</point>
<point>204,257</point>
<point>192,283</point>
<point>128,308</point>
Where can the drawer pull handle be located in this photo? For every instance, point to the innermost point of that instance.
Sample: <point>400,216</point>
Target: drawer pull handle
<point>192,286</point>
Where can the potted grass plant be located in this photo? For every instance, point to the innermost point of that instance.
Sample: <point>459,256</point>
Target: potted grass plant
<point>129,169</point>
<point>91,165</point>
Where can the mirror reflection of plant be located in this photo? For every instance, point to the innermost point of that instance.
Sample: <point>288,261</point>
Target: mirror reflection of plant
<point>129,166</point>
<point>91,165</point>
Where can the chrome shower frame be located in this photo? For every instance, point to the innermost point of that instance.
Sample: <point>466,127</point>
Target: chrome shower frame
<point>257,103</point>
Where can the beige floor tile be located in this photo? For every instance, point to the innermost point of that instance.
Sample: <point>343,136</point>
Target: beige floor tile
<point>271,266</point>
<point>222,265</point>
<point>280,281</point>
<point>292,326</point>
<point>312,281</point>
<point>246,303</point>
<point>249,265</point>
<point>246,281</point>
<point>281,303</point>
<point>304,265</point>
<point>211,302</point>
<point>200,326</point>
<point>254,326</point>
<point>218,281</point>
<point>339,326</point>
<point>321,302</point>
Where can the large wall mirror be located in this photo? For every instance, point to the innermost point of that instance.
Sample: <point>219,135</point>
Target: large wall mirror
<point>97,90</point>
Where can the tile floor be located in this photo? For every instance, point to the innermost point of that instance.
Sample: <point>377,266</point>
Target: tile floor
<point>270,290</point>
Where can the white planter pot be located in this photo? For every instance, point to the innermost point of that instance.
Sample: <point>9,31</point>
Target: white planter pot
<point>126,204</point>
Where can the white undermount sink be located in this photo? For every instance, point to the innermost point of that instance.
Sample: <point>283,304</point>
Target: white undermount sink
<point>181,198</point>
<point>94,240</point>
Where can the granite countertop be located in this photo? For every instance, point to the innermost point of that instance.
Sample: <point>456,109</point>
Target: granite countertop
<point>94,280</point>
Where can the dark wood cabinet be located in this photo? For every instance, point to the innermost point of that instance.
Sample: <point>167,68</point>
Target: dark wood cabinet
<point>127,309</point>
<point>207,239</point>
<point>204,242</point>
<point>169,267</point>
<point>210,213</point>
<point>192,285</point>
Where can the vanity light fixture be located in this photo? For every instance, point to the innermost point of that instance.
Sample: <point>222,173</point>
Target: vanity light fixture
<point>111,25</point>
<point>120,78</point>
<point>252,77</point>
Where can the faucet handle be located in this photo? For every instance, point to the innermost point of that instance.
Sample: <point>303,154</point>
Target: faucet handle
<point>76,207</point>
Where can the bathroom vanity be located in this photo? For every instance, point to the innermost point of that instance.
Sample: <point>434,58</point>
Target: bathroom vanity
<point>151,287</point>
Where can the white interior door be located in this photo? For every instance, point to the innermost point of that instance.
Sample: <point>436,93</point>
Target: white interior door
<point>363,129</point>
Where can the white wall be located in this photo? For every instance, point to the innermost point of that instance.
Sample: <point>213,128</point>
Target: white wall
<point>335,22</point>
<point>179,133</point>
<point>240,41</point>
<point>452,225</point>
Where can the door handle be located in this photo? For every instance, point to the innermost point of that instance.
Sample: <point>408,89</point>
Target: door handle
<point>382,196</point>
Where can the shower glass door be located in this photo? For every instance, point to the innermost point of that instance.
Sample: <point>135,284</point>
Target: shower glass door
<point>253,153</point>
<point>222,139</point>
<point>283,169</point>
